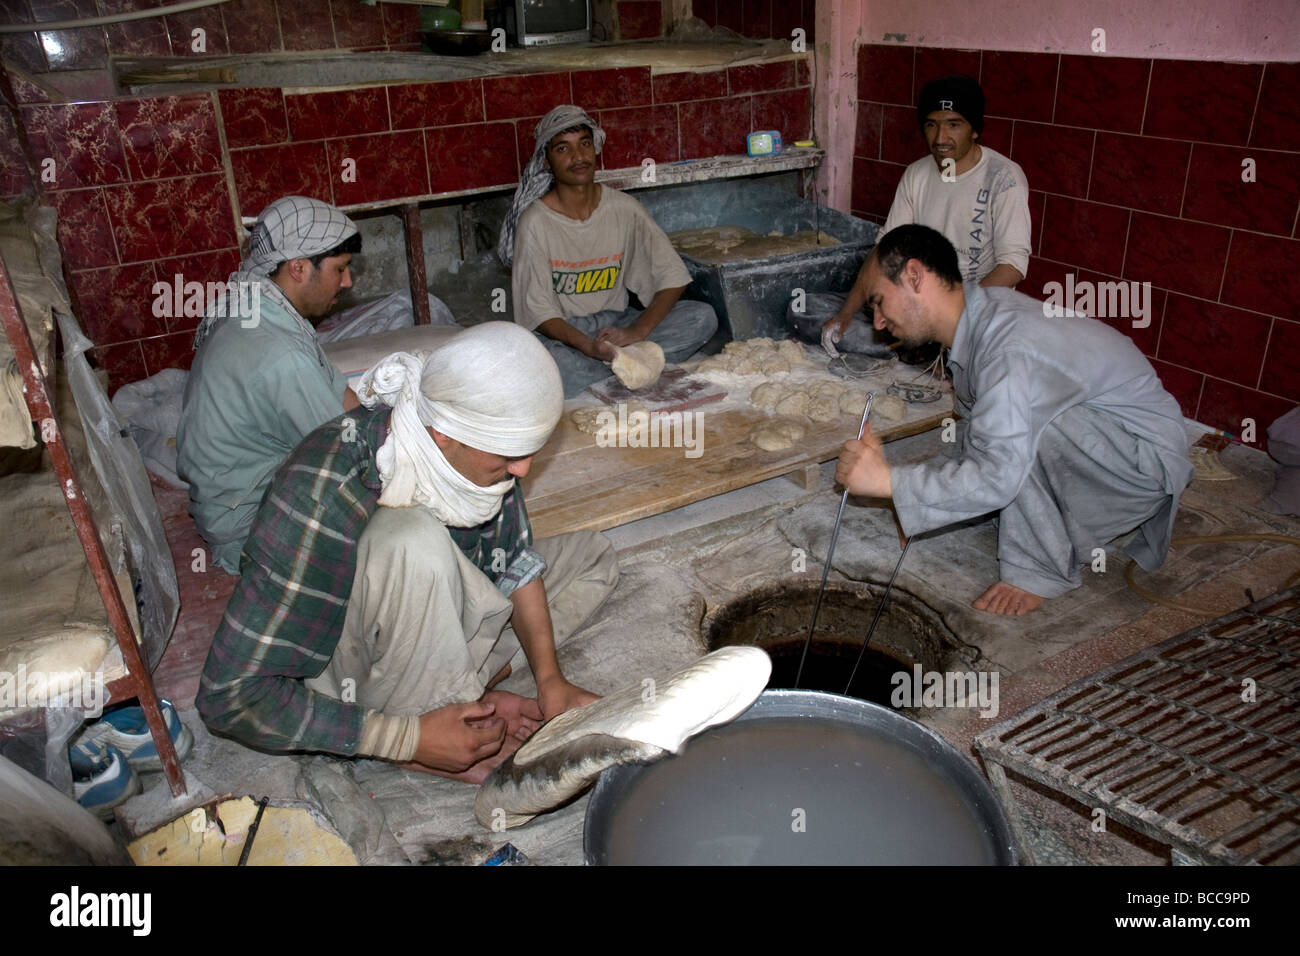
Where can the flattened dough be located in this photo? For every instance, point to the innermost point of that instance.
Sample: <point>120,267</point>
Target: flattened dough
<point>588,420</point>
<point>853,403</point>
<point>639,364</point>
<point>889,407</point>
<point>568,753</point>
<point>823,409</point>
<point>776,436</point>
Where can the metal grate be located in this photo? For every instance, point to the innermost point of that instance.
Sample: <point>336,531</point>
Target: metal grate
<point>1194,742</point>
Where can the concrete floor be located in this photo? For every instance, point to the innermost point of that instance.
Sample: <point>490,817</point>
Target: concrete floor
<point>678,566</point>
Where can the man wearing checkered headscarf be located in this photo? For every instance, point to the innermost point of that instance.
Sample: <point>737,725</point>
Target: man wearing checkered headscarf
<point>578,250</point>
<point>260,380</point>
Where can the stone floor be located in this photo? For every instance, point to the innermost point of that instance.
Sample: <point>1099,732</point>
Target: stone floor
<point>678,566</point>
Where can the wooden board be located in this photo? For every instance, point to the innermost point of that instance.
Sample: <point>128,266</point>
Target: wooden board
<point>577,485</point>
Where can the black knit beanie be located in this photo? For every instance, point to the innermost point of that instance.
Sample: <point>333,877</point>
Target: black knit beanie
<point>961,94</point>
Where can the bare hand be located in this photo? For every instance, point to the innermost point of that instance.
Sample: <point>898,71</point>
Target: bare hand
<point>521,714</point>
<point>833,330</point>
<point>558,695</point>
<point>455,737</point>
<point>602,350</point>
<point>619,336</point>
<point>862,467</point>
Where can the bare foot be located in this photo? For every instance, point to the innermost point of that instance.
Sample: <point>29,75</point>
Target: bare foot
<point>522,714</point>
<point>1003,598</point>
<point>477,773</point>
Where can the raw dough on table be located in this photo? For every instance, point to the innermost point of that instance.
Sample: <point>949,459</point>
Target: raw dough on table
<point>767,395</point>
<point>587,420</point>
<point>776,436</point>
<point>794,402</point>
<point>639,364</point>
<point>889,407</point>
<point>853,403</point>
<point>571,750</point>
<point>823,409</point>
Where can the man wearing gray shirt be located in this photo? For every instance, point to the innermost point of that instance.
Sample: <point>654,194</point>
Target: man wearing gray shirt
<point>1067,433</point>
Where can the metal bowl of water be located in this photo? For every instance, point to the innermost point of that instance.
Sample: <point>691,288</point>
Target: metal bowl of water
<point>801,778</point>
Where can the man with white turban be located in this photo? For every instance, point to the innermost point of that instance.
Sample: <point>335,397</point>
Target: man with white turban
<point>260,381</point>
<point>578,248</point>
<point>391,576</point>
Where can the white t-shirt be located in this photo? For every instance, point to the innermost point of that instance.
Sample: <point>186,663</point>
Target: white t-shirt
<point>984,213</point>
<point>565,267</point>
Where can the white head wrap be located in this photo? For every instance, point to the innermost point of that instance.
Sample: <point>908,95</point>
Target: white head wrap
<point>293,227</point>
<point>537,176</point>
<point>493,387</point>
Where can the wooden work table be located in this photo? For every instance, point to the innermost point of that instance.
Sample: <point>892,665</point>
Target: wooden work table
<point>575,484</point>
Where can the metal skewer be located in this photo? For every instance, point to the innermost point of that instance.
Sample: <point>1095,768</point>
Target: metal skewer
<point>830,551</point>
<point>880,608</point>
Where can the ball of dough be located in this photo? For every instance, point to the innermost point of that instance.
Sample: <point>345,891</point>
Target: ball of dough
<point>829,390</point>
<point>639,364</point>
<point>775,366</point>
<point>821,409</point>
<point>791,351</point>
<point>853,403</point>
<point>889,407</point>
<point>762,342</point>
<point>767,395</point>
<point>736,348</point>
<point>792,404</point>
<point>776,436</point>
<point>747,367</point>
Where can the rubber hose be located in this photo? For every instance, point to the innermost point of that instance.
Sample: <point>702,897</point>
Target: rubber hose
<point>1138,589</point>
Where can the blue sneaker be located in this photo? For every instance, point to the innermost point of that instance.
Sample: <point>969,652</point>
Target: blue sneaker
<point>101,777</point>
<point>125,728</point>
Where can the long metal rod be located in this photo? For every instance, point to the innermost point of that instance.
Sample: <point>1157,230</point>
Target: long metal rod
<point>830,551</point>
<point>880,609</point>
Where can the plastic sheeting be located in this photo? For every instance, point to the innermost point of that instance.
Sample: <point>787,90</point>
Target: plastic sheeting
<point>121,470</point>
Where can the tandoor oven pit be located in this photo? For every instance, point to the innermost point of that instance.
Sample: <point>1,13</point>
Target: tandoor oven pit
<point>775,617</point>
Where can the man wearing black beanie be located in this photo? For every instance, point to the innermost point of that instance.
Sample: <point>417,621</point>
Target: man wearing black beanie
<point>975,196</point>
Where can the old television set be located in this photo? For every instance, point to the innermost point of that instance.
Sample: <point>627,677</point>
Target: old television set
<point>548,22</point>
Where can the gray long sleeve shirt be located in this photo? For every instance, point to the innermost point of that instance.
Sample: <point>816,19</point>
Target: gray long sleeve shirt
<point>1014,371</point>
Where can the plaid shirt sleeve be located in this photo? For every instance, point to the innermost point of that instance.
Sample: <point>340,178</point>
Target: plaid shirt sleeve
<point>502,547</point>
<point>286,614</point>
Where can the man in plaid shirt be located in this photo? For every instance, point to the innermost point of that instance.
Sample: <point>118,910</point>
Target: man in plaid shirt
<point>391,575</point>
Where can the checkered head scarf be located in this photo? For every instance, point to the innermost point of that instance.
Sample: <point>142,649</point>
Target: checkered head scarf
<point>294,227</point>
<point>537,177</point>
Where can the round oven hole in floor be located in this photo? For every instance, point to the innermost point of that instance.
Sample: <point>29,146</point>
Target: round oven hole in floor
<point>776,617</point>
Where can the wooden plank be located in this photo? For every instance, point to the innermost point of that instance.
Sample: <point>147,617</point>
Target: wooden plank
<point>577,485</point>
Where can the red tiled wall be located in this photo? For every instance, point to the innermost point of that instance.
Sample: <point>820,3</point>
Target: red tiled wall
<point>760,19</point>
<point>639,19</point>
<point>241,26</point>
<point>1135,173</point>
<point>142,192</point>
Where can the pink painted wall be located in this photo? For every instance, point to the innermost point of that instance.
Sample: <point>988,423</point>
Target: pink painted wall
<point>1244,30</point>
